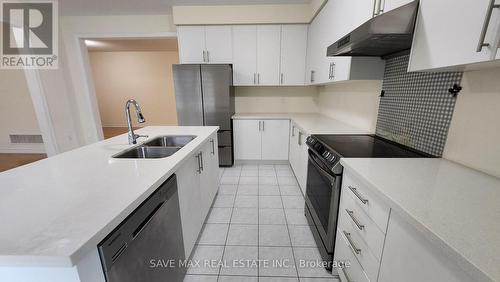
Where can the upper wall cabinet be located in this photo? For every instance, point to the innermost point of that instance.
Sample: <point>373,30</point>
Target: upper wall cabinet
<point>469,33</point>
<point>293,54</point>
<point>205,44</point>
<point>327,27</point>
<point>269,54</point>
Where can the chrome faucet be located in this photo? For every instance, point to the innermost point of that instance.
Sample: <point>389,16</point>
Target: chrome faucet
<point>132,137</point>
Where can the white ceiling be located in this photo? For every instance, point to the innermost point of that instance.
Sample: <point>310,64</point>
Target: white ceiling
<point>147,7</point>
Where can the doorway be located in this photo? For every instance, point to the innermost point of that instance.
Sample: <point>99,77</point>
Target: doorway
<point>130,68</point>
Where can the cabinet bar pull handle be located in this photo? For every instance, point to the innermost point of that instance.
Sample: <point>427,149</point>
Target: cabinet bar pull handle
<point>199,165</point>
<point>201,161</point>
<point>281,78</point>
<point>204,56</point>
<point>355,220</point>
<point>330,72</point>
<point>263,125</point>
<point>259,126</point>
<point>298,138</point>
<point>355,192</point>
<point>486,24</point>
<point>254,78</point>
<point>346,275</point>
<point>351,243</point>
<point>293,130</point>
<point>375,8</point>
<point>333,70</point>
<point>208,56</point>
<point>258,78</point>
<point>213,146</point>
<point>312,76</point>
<point>381,6</point>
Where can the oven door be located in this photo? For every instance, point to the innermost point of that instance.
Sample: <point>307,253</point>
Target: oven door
<point>322,199</point>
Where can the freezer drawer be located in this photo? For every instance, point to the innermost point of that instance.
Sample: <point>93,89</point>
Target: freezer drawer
<point>225,156</point>
<point>225,138</point>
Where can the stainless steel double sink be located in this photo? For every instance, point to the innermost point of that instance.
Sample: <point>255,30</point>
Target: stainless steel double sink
<point>156,148</point>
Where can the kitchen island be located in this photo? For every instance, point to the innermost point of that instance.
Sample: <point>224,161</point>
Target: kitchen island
<point>56,211</point>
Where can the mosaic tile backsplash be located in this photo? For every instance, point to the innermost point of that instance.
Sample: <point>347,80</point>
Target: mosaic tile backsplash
<point>416,108</point>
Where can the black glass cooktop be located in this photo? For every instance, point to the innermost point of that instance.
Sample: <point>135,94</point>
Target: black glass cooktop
<point>367,146</point>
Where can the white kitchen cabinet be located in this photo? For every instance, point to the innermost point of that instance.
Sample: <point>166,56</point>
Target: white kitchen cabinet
<point>410,257</point>
<point>298,155</point>
<point>293,54</point>
<point>260,139</point>
<point>205,44</point>
<point>450,43</point>
<point>274,134</point>
<point>330,25</point>
<point>218,39</point>
<point>188,183</point>
<point>245,55</point>
<point>191,40</point>
<point>209,174</point>
<point>197,181</point>
<point>268,54</point>
<point>247,139</point>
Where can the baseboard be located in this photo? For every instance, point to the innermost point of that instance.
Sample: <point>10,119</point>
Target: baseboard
<point>23,149</point>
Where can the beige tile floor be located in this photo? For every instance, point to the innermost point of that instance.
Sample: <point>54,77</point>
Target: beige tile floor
<point>258,230</point>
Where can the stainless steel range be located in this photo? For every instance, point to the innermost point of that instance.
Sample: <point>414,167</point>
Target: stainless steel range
<point>324,179</point>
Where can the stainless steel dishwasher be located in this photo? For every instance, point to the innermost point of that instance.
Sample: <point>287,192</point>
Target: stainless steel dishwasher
<point>144,246</point>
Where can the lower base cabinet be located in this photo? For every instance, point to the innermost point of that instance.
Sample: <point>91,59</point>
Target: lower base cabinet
<point>197,181</point>
<point>261,139</point>
<point>298,155</point>
<point>379,245</point>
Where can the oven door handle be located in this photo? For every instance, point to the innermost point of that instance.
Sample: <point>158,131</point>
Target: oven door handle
<point>320,169</point>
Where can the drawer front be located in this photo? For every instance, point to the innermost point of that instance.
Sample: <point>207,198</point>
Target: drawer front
<point>355,217</point>
<point>377,210</point>
<point>360,250</point>
<point>343,254</point>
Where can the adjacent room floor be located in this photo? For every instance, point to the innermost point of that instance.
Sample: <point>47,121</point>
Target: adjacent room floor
<point>258,229</point>
<point>9,161</point>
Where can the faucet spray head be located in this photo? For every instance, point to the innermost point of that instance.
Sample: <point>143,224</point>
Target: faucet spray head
<point>140,117</point>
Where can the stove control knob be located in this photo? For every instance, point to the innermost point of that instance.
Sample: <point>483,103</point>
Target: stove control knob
<point>331,158</point>
<point>327,155</point>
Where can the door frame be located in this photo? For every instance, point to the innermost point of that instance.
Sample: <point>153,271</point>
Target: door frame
<point>84,62</point>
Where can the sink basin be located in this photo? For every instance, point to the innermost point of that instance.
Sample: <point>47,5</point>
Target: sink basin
<point>144,152</point>
<point>170,141</point>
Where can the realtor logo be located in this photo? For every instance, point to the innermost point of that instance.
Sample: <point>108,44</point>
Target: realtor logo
<point>29,34</point>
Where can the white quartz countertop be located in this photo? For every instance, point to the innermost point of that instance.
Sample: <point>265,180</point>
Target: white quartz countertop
<point>56,210</point>
<point>455,207</point>
<point>311,123</point>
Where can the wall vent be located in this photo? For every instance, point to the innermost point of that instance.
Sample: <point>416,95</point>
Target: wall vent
<point>26,139</point>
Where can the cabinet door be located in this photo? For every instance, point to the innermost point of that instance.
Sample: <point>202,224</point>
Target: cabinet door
<point>268,54</point>
<point>191,41</point>
<point>244,55</point>
<point>247,139</point>
<point>388,5</point>
<point>209,175</point>
<point>275,139</point>
<point>439,43</point>
<point>188,182</point>
<point>419,253</point>
<point>303,160</point>
<point>293,54</point>
<point>293,154</point>
<point>219,44</point>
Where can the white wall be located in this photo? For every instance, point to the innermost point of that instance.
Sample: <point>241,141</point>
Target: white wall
<point>144,76</point>
<point>17,115</point>
<point>78,69</point>
<point>246,14</point>
<point>354,102</point>
<point>474,135</point>
<point>275,99</point>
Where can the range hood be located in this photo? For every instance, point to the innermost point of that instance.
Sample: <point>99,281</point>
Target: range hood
<point>382,35</point>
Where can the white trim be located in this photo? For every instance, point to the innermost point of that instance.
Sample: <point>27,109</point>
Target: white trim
<point>83,60</point>
<point>45,122</point>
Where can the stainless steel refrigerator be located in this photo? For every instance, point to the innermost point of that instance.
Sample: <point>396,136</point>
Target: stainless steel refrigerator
<point>205,96</point>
